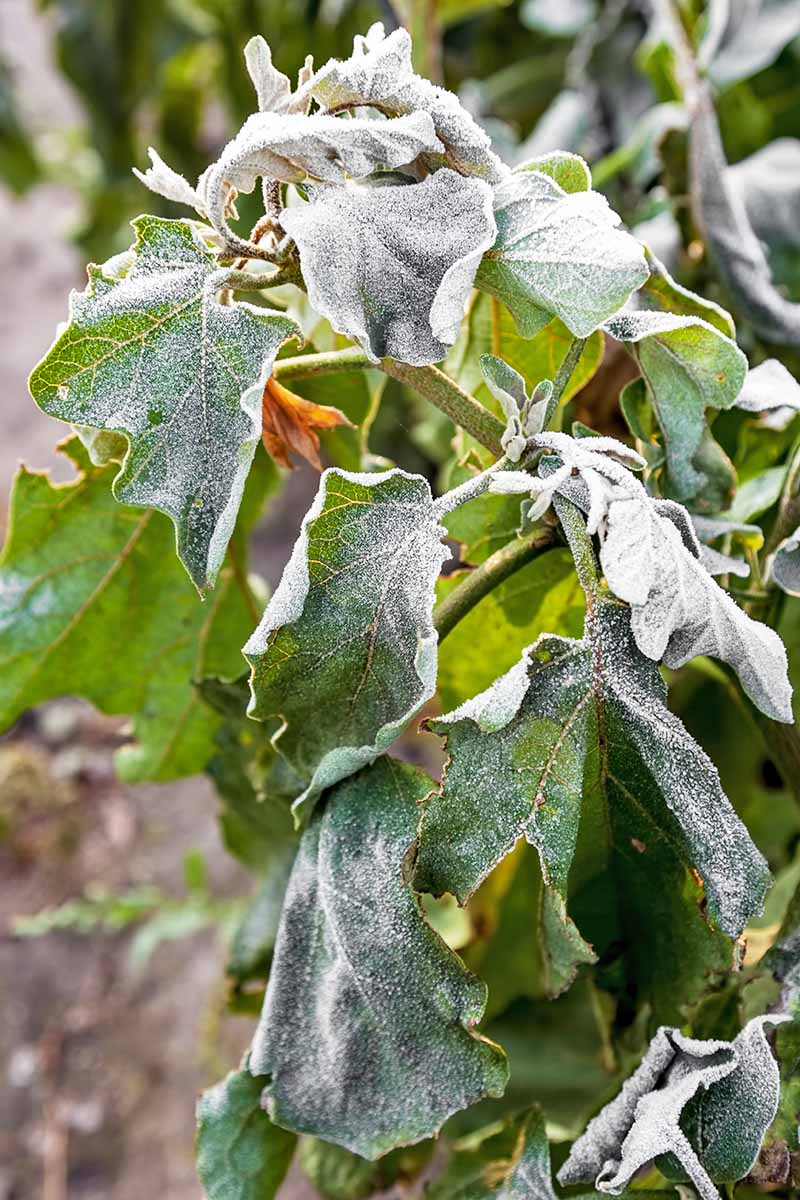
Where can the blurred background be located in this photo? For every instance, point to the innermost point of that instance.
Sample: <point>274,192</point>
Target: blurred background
<point>116,902</point>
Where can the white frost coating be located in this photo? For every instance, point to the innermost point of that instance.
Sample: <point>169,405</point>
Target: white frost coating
<point>380,263</point>
<point>379,74</point>
<point>768,386</point>
<point>737,1085</point>
<point>679,612</point>
<point>562,252</point>
<point>499,703</point>
<point>785,565</point>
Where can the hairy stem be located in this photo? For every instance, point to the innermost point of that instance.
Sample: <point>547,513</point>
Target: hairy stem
<point>469,490</point>
<point>430,382</point>
<point>458,405</point>
<point>568,365</point>
<point>503,563</point>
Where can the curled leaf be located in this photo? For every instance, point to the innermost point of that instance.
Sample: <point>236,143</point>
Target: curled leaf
<point>379,74</point>
<point>705,1104</point>
<point>289,424</point>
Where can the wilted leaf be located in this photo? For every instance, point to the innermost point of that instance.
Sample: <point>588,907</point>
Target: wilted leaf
<point>241,1155</point>
<point>151,353</point>
<point>392,267</point>
<point>289,424</point>
<point>351,621</point>
<point>706,1104</point>
<point>559,254</point>
<point>379,74</point>
<point>368,1029</point>
<point>94,603</point>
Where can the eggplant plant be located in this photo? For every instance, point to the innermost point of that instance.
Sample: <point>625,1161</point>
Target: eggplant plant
<point>569,913</point>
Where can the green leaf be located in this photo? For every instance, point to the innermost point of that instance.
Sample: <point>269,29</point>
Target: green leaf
<point>577,735</point>
<point>94,603</point>
<point>254,940</point>
<point>543,596</point>
<point>339,1174</point>
<point>150,352</point>
<point>569,171</point>
<point>254,782</point>
<point>368,1029</point>
<point>351,622</point>
<point>559,254</point>
<point>509,1163</point>
<point>241,1155</point>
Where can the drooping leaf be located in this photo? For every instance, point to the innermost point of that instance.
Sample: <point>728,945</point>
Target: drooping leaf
<point>151,353</point>
<point>559,254</point>
<point>93,602</point>
<point>651,559</point>
<point>577,735</point>
<point>689,362</point>
<point>368,1024</point>
<point>241,1155</point>
<point>292,147</point>
<point>379,74</point>
<point>392,266</point>
<point>351,621</point>
<point>510,1163</point>
<point>705,1104</point>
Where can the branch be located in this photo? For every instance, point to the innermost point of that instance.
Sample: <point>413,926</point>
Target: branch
<point>487,576</point>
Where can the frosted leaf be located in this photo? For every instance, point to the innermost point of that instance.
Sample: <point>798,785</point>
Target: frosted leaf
<point>688,366</point>
<point>525,415</point>
<point>162,180</point>
<point>154,355</point>
<point>379,74</point>
<point>392,267</point>
<point>368,1028</point>
<point>292,147</point>
<point>744,36</point>
<point>559,254</point>
<point>768,386</point>
<point>679,612</point>
<point>704,1104</point>
<point>351,621</point>
<point>273,88</point>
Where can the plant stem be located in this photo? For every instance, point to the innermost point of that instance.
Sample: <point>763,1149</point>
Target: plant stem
<point>503,563</point>
<point>333,362</point>
<point>564,372</point>
<point>452,400</point>
<point>580,544</point>
<point>788,517</point>
<point>430,382</point>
